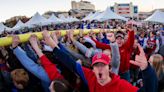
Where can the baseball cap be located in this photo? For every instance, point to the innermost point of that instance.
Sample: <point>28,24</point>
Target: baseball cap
<point>120,34</point>
<point>101,58</point>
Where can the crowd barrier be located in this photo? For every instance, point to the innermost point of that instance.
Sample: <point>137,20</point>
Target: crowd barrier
<point>6,41</point>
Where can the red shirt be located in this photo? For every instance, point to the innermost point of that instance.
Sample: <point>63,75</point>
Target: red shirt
<point>116,84</point>
<point>152,46</point>
<point>125,51</point>
<point>50,68</point>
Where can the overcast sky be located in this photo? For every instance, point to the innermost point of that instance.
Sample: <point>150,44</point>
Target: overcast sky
<point>10,8</point>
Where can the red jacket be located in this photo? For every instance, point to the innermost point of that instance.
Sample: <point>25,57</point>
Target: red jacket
<point>151,47</point>
<point>125,51</point>
<point>50,68</point>
<point>116,85</point>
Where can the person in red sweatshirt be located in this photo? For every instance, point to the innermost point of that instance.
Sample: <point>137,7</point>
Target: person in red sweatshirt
<point>152,45</point>
<point>125,49</point>
<point>100,79</point>
<point>58,84</point>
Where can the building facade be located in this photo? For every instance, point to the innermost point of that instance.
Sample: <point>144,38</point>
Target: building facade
<point>83,5</point>
<point>81,8</point>
<point>127,10</point>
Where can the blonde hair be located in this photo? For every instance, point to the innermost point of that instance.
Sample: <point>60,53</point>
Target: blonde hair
<point>20,78</point>
<point>157,63</point>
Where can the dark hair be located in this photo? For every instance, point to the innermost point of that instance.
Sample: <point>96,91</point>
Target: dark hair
<point>61,85</point>
<point>12,60</point>
<point>153,32</point>
<point>120,32</point>
<point>88,45</point>
<point>1,56</point>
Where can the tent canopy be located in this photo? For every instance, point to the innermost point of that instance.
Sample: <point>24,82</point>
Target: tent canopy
<point>108,14</point>
<point>93,16</point>
<point>3,28</point>
<point>87,17</point>
<point>68,19</point>
<point>157,16</point>
<point>63,18</point>
<point>37,19</point>
<point>73,19</point>
<point>18,26</point>
<point>54,19</point>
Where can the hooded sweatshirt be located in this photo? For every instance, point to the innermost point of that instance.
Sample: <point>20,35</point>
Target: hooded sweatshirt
<point>116,84</point>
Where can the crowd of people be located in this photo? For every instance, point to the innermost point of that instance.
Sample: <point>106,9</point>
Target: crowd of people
<point>67,26</point>
<point>122,61</point>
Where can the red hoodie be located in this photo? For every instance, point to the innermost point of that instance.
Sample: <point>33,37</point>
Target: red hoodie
<point>125,51</point>
<point>50,68</point>
<point>116,85</point>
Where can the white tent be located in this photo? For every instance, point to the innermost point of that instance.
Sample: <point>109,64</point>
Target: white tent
<point>37,19</point>
<point>64,19</point>
<point>67,19</point>
<point>3,28</point>
<point>54,19</point>
<point>157,16</point>
<point>73,19</point>
<point>87,17</point>
<point>108,14</point>
<point>18,26</point>
<point>93,16</point>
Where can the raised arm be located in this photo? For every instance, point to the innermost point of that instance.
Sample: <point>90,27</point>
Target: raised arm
<point>80,46</point>
<point>115,57</point>
<point>101,45</point>
<point>63,57</point>
<point>130,41</point>
<point>71,52</point>
<point>49,67</point>
<point>150,81</point>
<point>115,52</point>
<point>29,64</point>
<point>65,48</point>
<point>30,52</point>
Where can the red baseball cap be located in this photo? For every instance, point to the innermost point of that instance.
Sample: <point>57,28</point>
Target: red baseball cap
<point>101,58</point>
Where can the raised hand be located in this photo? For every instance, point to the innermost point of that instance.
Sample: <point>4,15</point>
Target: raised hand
<point>92,35</point>
<point>15,41</point>
<point>48,40</point>
<point>129,27</point>
<point>58,34</point>
<point>70,34</point>
<point>54,37</point>
<point>111,37</point>
<point>81,33</point>
<point>33,41</point>
<point>140,60</point>
<point>46,34</point>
